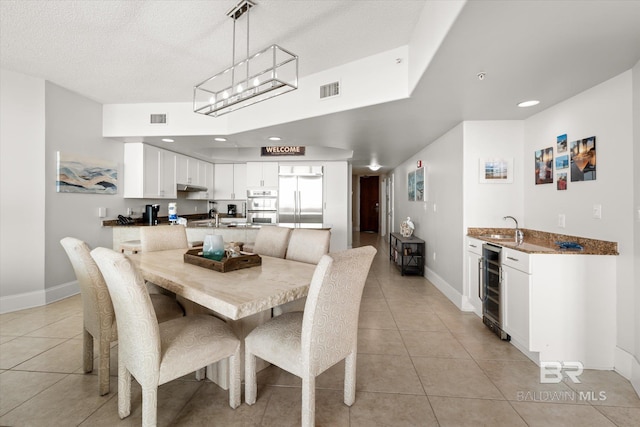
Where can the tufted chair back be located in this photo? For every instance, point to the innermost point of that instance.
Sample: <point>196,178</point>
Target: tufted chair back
<point>163,237</point>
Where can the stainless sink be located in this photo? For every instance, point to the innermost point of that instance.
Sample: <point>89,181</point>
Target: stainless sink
<point>498,236</point>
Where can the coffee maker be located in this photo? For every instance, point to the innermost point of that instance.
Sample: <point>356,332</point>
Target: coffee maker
<point>232,209</point>
<point>150,215</point>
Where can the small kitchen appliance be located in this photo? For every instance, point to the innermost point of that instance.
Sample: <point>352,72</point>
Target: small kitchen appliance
<point>150,215</point>
<point>232,209</point>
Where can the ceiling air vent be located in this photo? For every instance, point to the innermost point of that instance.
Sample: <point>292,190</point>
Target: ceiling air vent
<point>329,90</point>
<point>158,119</point>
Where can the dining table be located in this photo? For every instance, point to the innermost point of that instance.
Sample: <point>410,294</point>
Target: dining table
<point>243,298</point>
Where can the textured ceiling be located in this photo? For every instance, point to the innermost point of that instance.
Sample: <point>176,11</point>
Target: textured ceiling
<point>154,51</point>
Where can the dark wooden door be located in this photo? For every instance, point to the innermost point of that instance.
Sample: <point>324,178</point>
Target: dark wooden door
<point>369,203</point>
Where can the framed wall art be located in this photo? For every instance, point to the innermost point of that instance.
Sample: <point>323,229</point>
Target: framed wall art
<point>411,186</point>
<point>544,166</point>
<point>86,175</point>
<point>496,171</point>
<point>420,193</point>
<point>583,159</point>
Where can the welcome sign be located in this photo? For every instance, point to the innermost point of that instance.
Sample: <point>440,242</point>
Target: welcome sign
<point>282,151</point>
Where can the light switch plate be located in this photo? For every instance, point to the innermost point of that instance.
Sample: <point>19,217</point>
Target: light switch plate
<point>597,211</point>
<point>561,220</point>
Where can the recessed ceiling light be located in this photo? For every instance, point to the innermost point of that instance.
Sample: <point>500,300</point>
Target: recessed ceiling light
<point>274,138</point>
<point>220,139</point>
<point>529,103</point>
<point>167,140</point>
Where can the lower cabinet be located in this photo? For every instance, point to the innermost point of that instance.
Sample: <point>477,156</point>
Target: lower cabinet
<point>560,308</point>
<point>516,287</point>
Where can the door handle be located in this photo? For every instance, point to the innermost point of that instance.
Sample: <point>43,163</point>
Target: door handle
<point>480,280</point>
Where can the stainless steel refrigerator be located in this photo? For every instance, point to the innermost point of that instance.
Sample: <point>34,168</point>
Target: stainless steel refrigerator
<point>300,196</point>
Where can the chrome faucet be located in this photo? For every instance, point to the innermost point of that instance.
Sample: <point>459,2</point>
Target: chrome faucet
<point>519,235</point>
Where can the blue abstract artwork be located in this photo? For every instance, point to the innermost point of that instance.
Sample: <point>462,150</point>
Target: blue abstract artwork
<point>86,175</point>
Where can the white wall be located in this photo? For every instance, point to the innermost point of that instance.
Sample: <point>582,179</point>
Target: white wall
<point>440,229</point>
<point>604,111</point>
<point>485,205</point>
<point>22,204</point>
<point>38,119</point>
<point>74,126</point>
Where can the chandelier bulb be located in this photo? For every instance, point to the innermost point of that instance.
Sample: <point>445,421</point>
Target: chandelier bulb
<point>256,82</point>
<point>239,89</point>
<point>225,95</point>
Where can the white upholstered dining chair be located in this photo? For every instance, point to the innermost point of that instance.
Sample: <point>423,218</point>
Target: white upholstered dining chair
<point>163,237</point>
<point>154,353</point>
<point>271,241</point>
<point>99,320</point>
<point>308,343</point>
<point>305,245</point>
<point>308,245</point>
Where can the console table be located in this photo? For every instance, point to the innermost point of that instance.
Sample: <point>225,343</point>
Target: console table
<point>407,253</point>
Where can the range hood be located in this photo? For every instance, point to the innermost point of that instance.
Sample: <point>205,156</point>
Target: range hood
<point>190,188</point>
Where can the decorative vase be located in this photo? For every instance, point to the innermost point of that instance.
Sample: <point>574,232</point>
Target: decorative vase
<point>213,247</point>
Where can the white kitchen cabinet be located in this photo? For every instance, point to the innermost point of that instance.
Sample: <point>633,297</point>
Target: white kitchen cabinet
<point>230,181</point>
<point>204,177</point>
<point>474,255</point>
<point>262,175</point>
<point>556,307</point>
<point>149,172</point>
<point>516,288</point>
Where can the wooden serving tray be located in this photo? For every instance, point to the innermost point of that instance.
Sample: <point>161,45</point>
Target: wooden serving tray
<point>226,264</point>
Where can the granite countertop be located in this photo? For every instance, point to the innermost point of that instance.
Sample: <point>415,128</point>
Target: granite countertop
<point>541,242</point>
<point>139,222</point>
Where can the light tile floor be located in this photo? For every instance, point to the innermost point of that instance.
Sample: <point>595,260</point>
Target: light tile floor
<point>421,362</point>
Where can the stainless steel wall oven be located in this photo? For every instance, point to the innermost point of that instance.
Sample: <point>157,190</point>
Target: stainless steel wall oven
<point>490,289</point>
<point>262,206</point>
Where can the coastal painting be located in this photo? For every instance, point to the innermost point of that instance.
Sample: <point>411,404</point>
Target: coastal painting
<point>86,175</point>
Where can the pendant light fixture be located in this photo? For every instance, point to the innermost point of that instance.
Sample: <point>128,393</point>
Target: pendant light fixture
<point>271,72</point>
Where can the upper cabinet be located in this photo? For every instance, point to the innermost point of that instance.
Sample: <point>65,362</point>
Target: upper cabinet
<point>152,173</point>
<point>195,172</point>
<point>230,181</point>
<point>262,175</point>
<point>149,172</point>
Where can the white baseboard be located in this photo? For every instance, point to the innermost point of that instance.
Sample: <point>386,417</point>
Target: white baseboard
<point>62,291</point>
<point>635,375</point>
<point>39,298</point>
<point>448,290</point>
<point>628,366</point>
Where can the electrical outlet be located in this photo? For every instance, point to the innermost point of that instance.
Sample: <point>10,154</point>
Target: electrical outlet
<point>597,211</point>
<point>195,209</point>
<point>434,207</point>
<point>102,212</point>
<point>434,256</point>
<point>129,212</point>
<point>561,220</point>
